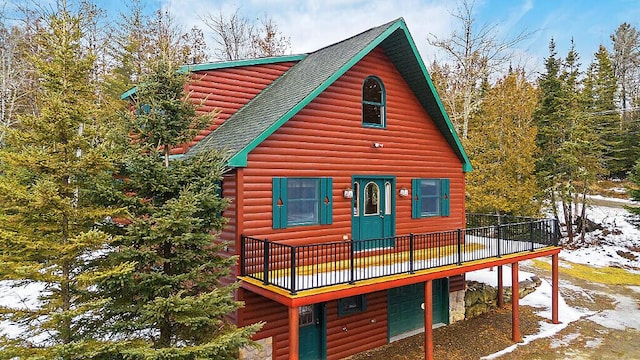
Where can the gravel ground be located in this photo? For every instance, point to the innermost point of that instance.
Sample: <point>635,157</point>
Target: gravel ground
<point>610,329</point>
<point>464,340</point>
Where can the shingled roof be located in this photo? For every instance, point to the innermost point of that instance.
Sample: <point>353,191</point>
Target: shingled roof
<point>297,87</point>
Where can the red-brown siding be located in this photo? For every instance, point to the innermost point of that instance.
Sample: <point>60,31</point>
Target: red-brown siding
<point>457,283</point>
<point>226,91</point>
<point>364,330</point>
<point>327,139</point>
<point>275,317</point>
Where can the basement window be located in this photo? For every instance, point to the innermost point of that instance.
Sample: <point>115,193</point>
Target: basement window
<point>351,305</point>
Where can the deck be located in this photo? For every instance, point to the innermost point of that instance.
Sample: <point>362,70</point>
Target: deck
<point>294,270</point>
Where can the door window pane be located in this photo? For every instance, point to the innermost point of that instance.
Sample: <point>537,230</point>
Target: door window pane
<point>371,199</point>
<point>305,315</point>
<point>387,198</point>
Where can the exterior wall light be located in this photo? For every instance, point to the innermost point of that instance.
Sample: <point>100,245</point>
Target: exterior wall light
<point>378,145</point>
<point>347,193</point>
<point>404,192</point>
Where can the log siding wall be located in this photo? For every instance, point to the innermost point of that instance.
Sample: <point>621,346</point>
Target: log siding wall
<point>327,139</point>
<point>226,91</point>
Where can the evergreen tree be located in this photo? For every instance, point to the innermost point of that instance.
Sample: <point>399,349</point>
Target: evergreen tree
<point>549,116</point>
<point>634,194</point>
<point>48,222</point>
<point>600,106</point>
<point>502,148</point>
<point>175,303</point>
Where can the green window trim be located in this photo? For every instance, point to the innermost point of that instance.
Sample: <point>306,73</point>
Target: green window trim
<point>441,198</point>
<point>352,305</point>
<point>374,102</point>
<point>284,205</point>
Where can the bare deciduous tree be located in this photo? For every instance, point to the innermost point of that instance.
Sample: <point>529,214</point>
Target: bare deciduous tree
<point>237,37</point>
<point>17,83</point>
<point>477,53</point>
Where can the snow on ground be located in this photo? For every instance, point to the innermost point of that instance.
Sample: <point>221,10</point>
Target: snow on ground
<point>601,248</point>
<point>19,296</point>
<point>617,244</point>
<point>539,299</point>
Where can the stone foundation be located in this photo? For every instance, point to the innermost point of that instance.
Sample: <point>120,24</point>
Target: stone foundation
<point>264,350</point>
<point>481,298</point>
<point>456,306</point>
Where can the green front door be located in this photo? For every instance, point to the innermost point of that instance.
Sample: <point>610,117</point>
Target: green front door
<point>405,307</point>
<point>373,211</point>
<point>312,334</point>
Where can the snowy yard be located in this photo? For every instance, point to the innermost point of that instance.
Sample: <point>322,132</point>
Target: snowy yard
<point>616,245</point>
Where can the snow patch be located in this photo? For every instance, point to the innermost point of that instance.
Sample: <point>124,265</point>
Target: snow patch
<point>566,340</point>
<point>619,318</point>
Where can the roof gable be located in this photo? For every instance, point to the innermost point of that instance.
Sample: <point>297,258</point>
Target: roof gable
<point>297,87</point>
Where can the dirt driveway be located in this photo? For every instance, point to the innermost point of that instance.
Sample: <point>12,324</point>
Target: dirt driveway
<point>608,327</point>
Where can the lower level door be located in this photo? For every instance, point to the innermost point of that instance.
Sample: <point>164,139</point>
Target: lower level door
<point>312,334</point>
<point>405,311</point>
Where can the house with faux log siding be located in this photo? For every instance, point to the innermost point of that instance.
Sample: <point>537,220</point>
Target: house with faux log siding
<point>347,188</point>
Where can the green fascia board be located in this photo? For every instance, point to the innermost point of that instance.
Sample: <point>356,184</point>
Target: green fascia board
<point>244,62</point>
<point>466,163</point>
<point>240,158</point>
<point>225,65</point>
<point>127,94</point>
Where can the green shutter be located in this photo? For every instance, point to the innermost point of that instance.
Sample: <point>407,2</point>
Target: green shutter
<point>279,203</point>
<point>326,207</point>
<point>415,198</point>
<point>444,197</point>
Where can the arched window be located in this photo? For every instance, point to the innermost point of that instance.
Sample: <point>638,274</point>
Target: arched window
<point>371,199</point>
<point>373,102</point>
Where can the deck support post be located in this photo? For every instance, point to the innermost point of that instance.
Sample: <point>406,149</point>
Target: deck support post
<point>428,320</point>
<point>515,306</point>
<point>294,316</point>
<point>500,288</point>
<point>554,289</point>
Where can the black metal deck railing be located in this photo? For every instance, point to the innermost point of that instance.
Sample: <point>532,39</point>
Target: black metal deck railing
<point>305,267</point>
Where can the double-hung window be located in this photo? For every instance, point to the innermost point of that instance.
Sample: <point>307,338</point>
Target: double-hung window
<point>301,201</point>
<point>373,102</point>
<point>430,197</point>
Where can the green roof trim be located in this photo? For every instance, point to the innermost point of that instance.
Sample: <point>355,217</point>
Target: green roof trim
<point>127,94</point>
<point>244,62</point>
<point>241,156</point>
<point>226,65</point>
<point>313,74</point>
<point>466,163</point>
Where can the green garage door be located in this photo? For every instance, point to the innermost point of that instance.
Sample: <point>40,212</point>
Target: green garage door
<point>404,306</point>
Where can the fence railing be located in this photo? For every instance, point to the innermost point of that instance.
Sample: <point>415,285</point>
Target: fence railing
<point>304,267</point>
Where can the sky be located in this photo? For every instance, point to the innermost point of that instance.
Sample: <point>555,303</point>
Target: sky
<point>314,24</point>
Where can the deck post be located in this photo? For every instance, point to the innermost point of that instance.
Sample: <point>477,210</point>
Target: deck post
<point>499,238</point>
<point>459,246</point>
<point>243,258</point>
<point>411,253</point>
<point>428,320</point>
<point>554,289</point>
<point>515,300</point>
<point>500,288</point>
<point>293,270</point>
<point>265,265</point>
<point>531,237</point>
<point>352,265</point>
<point>294,340</point>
